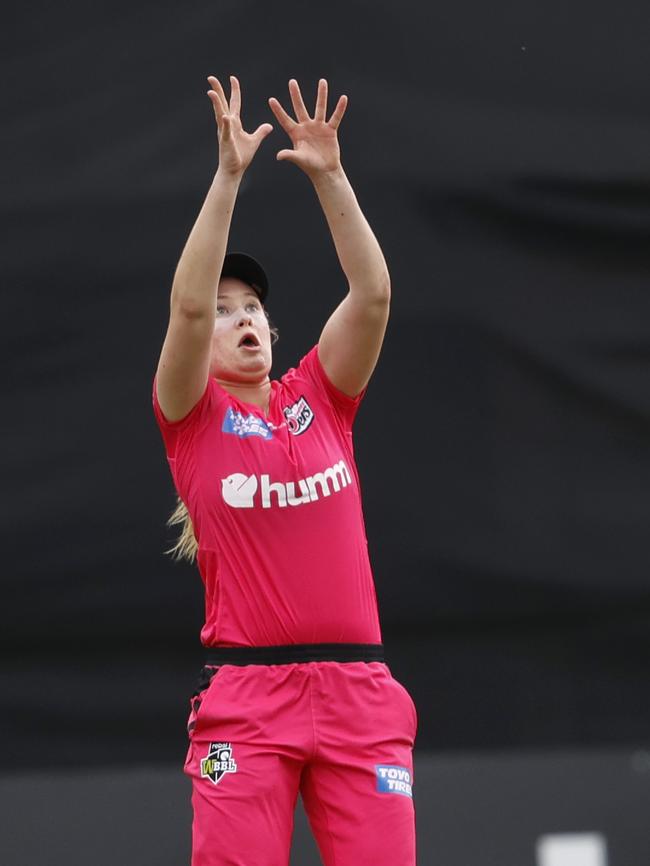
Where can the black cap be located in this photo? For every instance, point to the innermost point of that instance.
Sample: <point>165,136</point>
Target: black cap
<point>247,269</point>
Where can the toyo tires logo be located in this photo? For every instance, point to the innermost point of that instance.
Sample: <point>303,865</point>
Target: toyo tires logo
<point>240,490</point>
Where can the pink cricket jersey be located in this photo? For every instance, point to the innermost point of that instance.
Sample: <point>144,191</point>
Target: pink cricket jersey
<point>276,508</point>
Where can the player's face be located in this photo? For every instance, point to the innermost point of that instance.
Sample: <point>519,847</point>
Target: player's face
<point>241,343</point>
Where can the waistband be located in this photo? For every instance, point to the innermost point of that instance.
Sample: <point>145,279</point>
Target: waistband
<point>292,653</point>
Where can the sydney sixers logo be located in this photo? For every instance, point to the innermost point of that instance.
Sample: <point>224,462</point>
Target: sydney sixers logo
<point>299,416</point>
<point>218,762</point>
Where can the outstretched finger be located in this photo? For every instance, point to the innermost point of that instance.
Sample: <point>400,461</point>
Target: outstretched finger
<point>218,109</point>
<point>262,131</point>
<point>297,101</point>
<point>286,122</point>
<point>217,96</point>
<point>235,96</point>
<point>226,129</point>
<point>339,111</point>
<point>321,100</point>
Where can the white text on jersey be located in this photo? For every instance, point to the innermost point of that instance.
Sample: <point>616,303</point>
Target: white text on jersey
<point>238,490</point>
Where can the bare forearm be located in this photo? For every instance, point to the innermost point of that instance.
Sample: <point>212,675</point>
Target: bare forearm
<point>357,247</point>
<point>197,274</point>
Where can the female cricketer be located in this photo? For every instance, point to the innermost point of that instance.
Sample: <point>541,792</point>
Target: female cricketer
<point>295,695</point>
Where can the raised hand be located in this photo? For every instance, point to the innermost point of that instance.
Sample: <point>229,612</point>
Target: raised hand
<point>315,143</point>
<point>236,147</point>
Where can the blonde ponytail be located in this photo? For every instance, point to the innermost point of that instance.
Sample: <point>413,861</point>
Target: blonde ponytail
<point>186,546</point>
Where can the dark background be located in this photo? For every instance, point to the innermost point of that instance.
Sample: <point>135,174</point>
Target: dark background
<point>501,152</point>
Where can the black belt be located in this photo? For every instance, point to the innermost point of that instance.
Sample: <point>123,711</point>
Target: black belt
<point>292,653</point>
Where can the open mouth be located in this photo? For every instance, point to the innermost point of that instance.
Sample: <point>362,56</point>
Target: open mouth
<point>250,341</point>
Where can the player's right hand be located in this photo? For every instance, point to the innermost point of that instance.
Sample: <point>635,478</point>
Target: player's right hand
<point>236,147</point>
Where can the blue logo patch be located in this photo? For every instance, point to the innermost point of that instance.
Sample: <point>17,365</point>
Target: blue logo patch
<point>245,425</point>
<point>394,780</point>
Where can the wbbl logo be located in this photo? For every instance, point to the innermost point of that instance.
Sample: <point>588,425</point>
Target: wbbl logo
<point>394,780</point>
<point>218,762</point>
<point>299,416</point>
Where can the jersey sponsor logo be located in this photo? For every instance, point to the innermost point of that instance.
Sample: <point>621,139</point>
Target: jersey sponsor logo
<point>238,490</point>
<point>218,762</point>
<point>245,425</point>
<point>394,780</point>
<point>299,416</point>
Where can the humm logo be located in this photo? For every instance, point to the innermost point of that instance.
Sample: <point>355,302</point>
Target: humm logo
<point>238,490</point>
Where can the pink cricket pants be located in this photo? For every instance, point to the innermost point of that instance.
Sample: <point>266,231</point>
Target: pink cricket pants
<point>340,733</point>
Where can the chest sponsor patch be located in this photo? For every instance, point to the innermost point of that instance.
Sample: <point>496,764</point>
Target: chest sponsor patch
<point>394,780</point>
<point>245,425</point>
<point>218,762</point>
<point>239,489</point>
<point>299,416</point>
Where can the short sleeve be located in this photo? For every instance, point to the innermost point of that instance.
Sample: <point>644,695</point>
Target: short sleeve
<point>173,432</point>
<point>345,407</point>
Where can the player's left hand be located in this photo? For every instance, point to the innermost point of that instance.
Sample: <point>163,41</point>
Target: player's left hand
<point>315,143</point>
